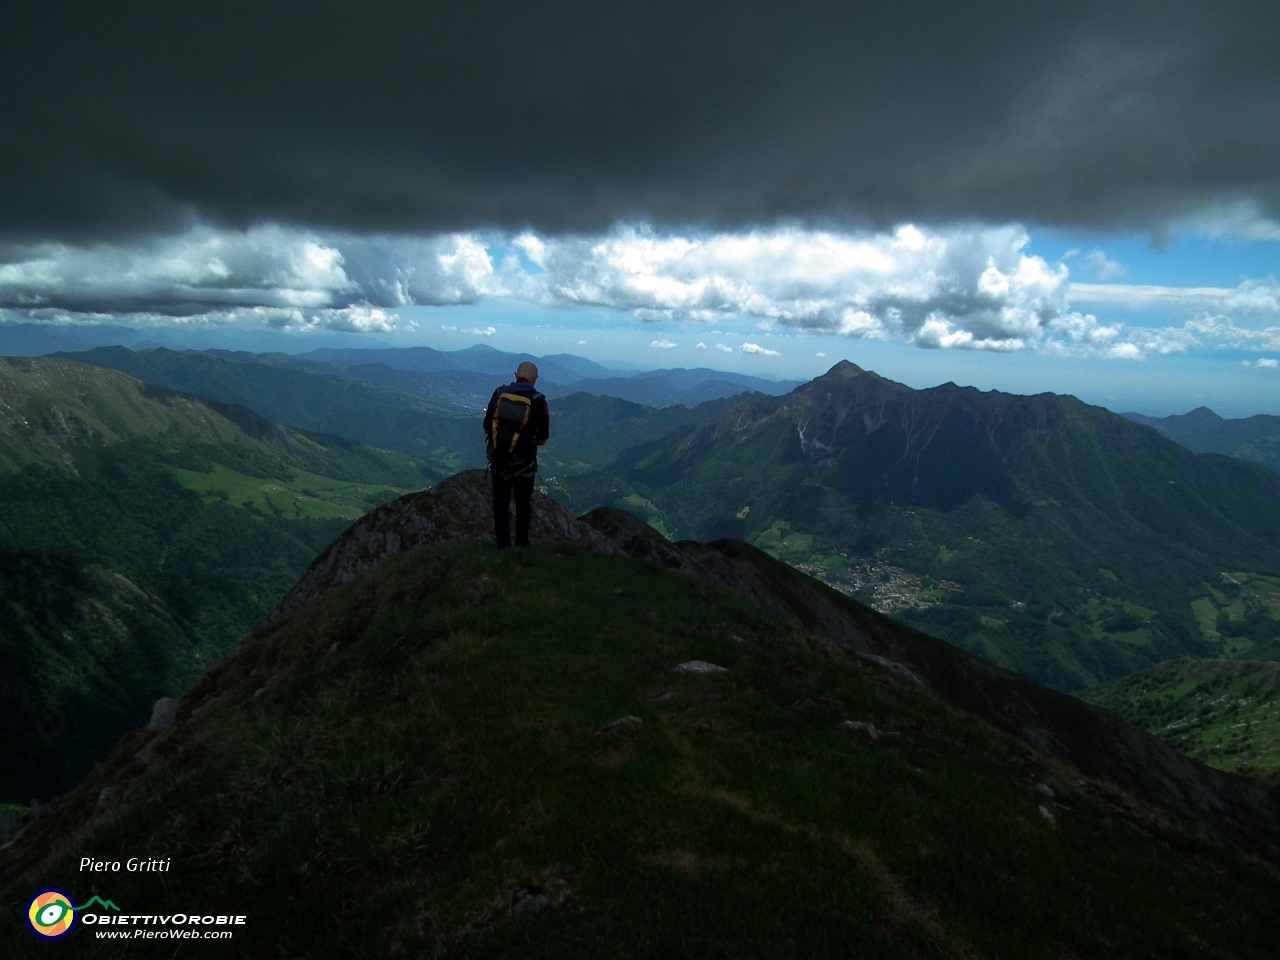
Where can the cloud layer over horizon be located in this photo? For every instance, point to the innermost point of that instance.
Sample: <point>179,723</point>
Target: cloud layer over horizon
<point>972,288</point>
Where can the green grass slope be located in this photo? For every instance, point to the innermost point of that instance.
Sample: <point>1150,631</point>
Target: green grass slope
<point>86,650</point>
<point>1050,537</point>
<point>101,466</point>
<point>1224,713</point>
<point>394,768</point>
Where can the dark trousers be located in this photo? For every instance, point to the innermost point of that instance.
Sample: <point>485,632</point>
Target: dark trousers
<point>522,487</point>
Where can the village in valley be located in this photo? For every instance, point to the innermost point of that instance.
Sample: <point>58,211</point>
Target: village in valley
<point>880,585</point>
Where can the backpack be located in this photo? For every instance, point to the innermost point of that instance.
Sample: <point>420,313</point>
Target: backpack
<point>510,446</point>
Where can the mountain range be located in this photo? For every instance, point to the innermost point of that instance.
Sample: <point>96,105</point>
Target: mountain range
<point>1048,536</point>
<point>612,745</point>
<point>430,416</point>
<point>460,380</point>
<point>1202,430</point>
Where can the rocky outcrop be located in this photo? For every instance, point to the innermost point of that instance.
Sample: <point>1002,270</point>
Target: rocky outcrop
<point>456,509</point>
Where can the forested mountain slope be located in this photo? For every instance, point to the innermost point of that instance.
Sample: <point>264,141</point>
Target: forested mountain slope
<point>1051,537</point>
<point>142,534</point>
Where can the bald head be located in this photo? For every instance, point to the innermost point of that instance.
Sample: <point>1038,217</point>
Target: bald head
<point>527,371</point>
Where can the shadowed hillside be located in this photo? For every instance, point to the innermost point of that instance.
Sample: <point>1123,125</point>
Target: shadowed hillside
<point>437,749</point>
<point>86,649</point>
<point>142,534</point>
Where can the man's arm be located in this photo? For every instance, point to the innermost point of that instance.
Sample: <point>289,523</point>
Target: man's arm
<point>488,413</point>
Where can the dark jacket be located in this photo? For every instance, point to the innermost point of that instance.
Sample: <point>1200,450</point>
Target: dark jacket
<point>540,415</point>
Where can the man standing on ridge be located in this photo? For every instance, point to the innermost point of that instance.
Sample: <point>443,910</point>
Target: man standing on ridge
<point>516,422</point>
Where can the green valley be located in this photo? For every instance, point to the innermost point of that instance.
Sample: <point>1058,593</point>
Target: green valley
<point>1224,713</point>
<point>396,412</point>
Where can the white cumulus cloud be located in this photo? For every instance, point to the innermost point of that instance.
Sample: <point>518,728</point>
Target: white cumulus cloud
<point>961,288</point>
<point>1103,267</point>
<point>663,344</point>
<point>216,276</point>
<point>1126,351</point>
<point>756,348</point>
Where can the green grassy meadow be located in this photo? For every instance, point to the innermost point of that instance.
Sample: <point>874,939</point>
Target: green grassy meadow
<point>1223,713</point>
<point>304,496</point>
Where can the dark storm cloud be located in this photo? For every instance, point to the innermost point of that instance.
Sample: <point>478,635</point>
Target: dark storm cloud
<point>136,118</point>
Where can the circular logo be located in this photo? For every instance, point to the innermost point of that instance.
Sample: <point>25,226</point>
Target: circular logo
<point>50,914</point>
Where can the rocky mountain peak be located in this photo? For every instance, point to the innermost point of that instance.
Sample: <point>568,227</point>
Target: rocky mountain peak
<point>843,371</point>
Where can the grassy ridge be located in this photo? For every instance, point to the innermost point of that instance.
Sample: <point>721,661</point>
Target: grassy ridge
<point>1224,713</point>
<point>394,794</point>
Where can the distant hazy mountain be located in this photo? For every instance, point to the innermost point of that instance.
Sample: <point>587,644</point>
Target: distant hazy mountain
<point>441,376</point>
<point>431,416</point>
<point>1202,430</point>
<point>589,430</point>
<point>662,388</point>
<point>561,368</point>
<point>1051,537</point>
<point>37,339</point>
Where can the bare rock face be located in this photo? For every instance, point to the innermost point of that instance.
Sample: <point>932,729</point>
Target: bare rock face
<point>456,509</point>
